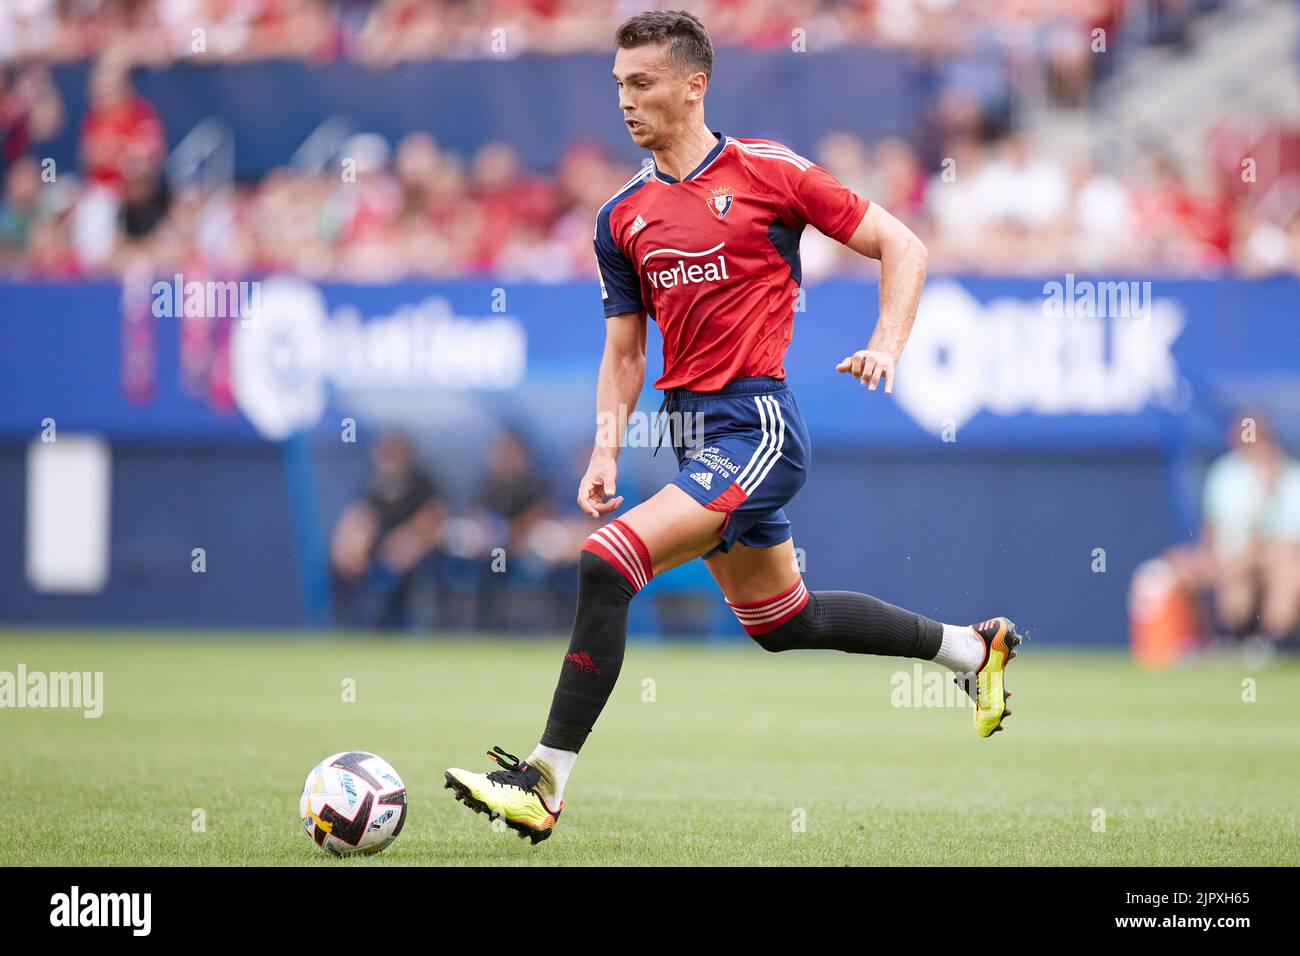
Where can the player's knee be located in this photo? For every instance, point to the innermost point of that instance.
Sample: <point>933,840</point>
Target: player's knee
<point>784,637</point>
<point>773,623</point>
<point>615,556</point>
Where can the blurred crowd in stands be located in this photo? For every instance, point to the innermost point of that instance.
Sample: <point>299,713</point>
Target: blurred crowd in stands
<point>384,32</point>
<point>414,209</point>
<point>982,197</point>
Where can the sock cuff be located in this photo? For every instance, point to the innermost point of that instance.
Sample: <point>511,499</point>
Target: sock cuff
<point>561,736</point>
<point>759,617</point>
<point>929,638</point>
<point>622,548</point>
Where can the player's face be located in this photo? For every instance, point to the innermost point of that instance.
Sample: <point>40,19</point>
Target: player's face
<point>652,96</point>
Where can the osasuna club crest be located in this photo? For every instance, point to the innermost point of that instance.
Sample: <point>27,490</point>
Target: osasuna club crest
<point>720,201</point>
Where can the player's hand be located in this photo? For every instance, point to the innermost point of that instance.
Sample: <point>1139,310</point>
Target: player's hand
<point>869,366</point>
<point>597,485</point>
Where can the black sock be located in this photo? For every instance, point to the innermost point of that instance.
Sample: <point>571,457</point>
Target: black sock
<point>614,565</point>
<point>855,623</point>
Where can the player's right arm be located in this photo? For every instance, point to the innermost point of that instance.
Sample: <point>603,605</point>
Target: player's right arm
<point>817,197</point>
<point>622,368</point>
<point>622,372</point>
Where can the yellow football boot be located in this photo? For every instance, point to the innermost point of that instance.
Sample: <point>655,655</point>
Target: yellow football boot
<point>509,794</point>
<point>987,687</point>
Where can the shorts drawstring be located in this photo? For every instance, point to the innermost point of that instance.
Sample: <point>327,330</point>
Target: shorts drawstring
<point>668,403</point>
<point>674,397</point>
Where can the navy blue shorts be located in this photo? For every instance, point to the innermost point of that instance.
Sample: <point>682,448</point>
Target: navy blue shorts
<point>743,451</point>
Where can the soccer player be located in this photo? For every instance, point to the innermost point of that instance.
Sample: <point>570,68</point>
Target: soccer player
<point>706,240</point>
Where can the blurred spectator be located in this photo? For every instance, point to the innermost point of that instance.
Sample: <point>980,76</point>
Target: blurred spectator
<point>381,539</point>
<point>514,491</point>
<point>1248,555</point>
<point>1180,222</point>
<point>1265,246</point>
<point>31,111</point>
<point>516,513</point>
<point>508,198</point>
<point>122,152</point>
<point>1252,532</point>
<point>1101,219</point>
<point>28,28</point>
<point>367,206</point>
<point>19,205</point>
<point>121,137</point>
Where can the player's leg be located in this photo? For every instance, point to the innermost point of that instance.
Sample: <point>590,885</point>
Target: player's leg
<point>616,562</point>
<point>762,584</point>
<point>763,587</point>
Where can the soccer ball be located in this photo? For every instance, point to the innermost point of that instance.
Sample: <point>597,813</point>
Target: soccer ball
<point>353,802</point>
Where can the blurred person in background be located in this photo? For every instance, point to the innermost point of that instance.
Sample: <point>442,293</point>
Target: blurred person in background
<point>290,225</point>
<point>957,221</point>
<point>1182,226</point>
<point>1250,541</point>
<point>50,252</point>
<point>509,198</point>
<point>1266,242</point>
<point>367,207</point>
<point>122,152</point>
<point>1024,197</point>
<point>34,235</point>
<point>122,136</point>
<point>1247,560</point>
<point>517,508</point>
<point>19,207</point>
<point>28,28</point>
<point>31,111</point>
<point>421,171</point>
<point>511,541</point>
<point>1101,218</point>
<point>399,30</point>
<point>513,490</point>
<point>585,176</point>
<point>381,538</point>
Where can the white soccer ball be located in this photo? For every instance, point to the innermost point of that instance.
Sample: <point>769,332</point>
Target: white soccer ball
<point>353,802</point>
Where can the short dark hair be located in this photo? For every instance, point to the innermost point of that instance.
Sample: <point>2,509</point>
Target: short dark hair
<point>689,47</point>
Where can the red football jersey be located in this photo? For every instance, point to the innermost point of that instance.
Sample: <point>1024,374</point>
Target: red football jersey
<point>714,258</point>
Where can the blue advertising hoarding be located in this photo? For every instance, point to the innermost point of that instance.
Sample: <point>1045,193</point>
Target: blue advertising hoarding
<point>1034,421</point>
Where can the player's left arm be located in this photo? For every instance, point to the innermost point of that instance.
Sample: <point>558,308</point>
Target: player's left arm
<point>903,260</point>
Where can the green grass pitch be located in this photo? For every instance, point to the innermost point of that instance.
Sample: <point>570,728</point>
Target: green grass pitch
<point>707,754</point>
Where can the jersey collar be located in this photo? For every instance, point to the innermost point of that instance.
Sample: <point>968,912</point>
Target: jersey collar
<point>708,161</point>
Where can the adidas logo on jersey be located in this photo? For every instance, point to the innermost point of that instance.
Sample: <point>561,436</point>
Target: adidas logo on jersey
<point>637,225</point>
<point>704,479</point>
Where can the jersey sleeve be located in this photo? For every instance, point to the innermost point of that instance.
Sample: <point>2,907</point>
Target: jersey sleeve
<point>620,287</point>
<point>818,198</point>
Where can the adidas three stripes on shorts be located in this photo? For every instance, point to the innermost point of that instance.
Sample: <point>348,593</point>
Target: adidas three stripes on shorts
<point>747,458</point>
